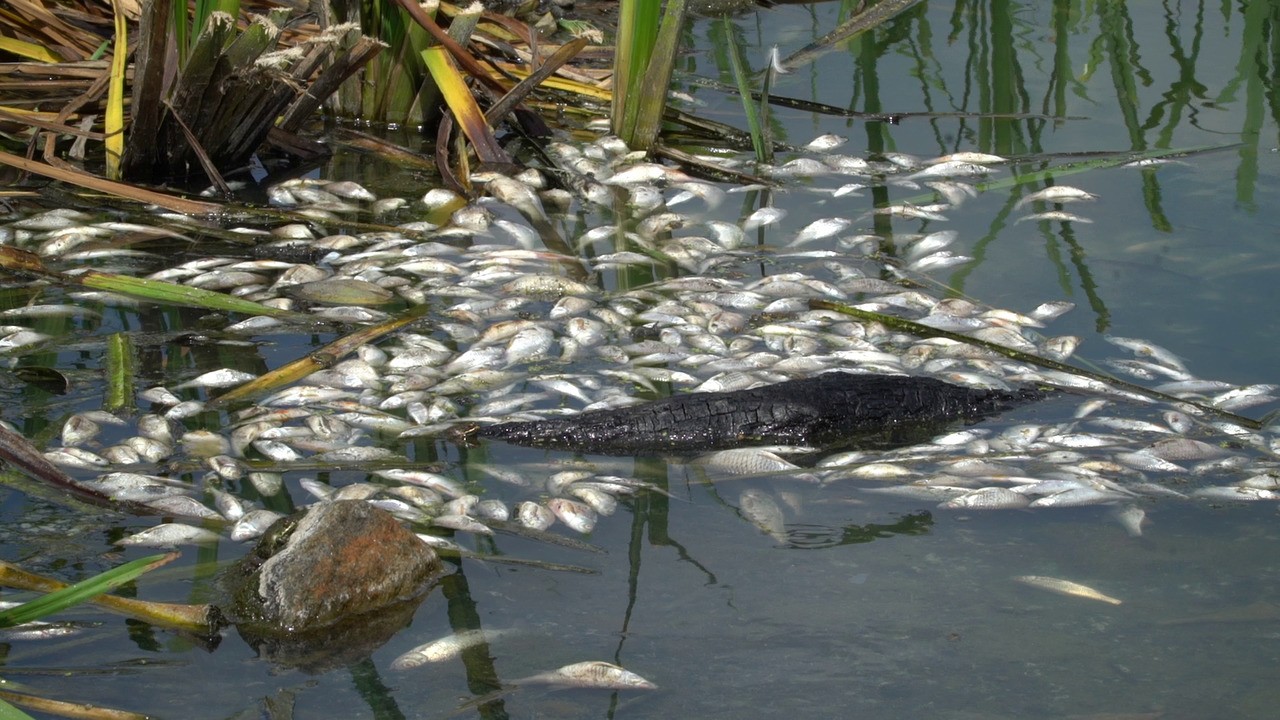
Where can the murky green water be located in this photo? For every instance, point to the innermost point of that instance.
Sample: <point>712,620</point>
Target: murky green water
<point>880,607</point>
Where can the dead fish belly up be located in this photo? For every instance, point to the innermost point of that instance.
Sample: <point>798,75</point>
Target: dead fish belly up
<point>832,408</point>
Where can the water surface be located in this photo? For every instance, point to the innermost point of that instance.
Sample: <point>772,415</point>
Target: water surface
<point>873,606</point>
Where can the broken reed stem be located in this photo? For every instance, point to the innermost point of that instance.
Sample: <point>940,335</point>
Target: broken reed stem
<point>916,328</point>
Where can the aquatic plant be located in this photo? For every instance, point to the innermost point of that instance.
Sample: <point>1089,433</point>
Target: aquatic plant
<point>644,58</point>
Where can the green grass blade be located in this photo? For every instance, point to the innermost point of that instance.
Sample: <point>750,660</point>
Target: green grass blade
<point>657,78</point>
<point>170,293</point>
<point>119,372</point>
<point>9,712</point>
<point>82,591</point>
<point>637,31</point>
<point>742,78</point>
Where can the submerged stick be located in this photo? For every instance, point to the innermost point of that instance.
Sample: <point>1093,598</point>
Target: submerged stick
<point>68,709</point>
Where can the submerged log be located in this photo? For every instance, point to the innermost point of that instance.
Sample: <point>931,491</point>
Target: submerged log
<point>835,408</point>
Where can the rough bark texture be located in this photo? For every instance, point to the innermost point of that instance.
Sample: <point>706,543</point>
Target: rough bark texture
<point>830,409</point>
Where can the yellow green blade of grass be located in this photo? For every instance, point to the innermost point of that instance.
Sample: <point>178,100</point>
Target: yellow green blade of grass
<point>637,30</point>
<point>72,595</point>
<point>113,123</point>
<point>31,51</point>
<point>200,619</point>
<point>119,371</point>
<point>463,105</point>
<point>173,294</point>
<point>742,78</point>
<point>318,360</point>
<point>9,712</point>
<point>651,103</point>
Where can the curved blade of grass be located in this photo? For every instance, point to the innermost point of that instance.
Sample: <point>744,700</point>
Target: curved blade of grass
<point>463,105</point>
<point>916,328</point>
<point>318,360</point>
<point>72,595</point>
<point>742,78</point>
<point>202,620</point>
<point>868,19</point>
<point>113,122</point>
<point>556,82</point>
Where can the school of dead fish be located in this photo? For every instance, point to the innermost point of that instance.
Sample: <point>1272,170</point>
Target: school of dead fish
<point>519,331</point>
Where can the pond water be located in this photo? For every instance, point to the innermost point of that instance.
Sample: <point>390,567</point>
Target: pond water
<point>866,604</point>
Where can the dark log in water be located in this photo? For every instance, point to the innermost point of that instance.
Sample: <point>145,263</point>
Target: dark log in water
<point>836,408</point>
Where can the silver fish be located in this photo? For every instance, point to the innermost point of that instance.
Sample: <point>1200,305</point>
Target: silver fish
<point>987,498</point>
<point>577,515</point>
<point>592,674</point>
<point>762,511</point>
<point>1130,518</point>
<point>441,649</point>
<point>253,523</point>
<point>1065,587</point>
<point>168,535</point>
<point>534,516</point>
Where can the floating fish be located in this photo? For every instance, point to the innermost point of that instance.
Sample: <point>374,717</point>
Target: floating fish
<point>592,674</point>
<point>442,649</point>
<point>169,535</point>
<point>1065,587</point>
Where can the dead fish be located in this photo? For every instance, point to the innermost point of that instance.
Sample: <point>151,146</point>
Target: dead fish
<point>1130,518</point>
<point>1054,216</point>
<point>762,511</point>
<point>462,523</point>
<point>577,515</point>
<point>441,484</point>
<point>823,143</point>
<point>746,461</point>
<point>820,229</point>
<point>253,523</point>
<point>534,516</point>
<point>78,430</point>
<point>1056,194</point>
<point>1065,587</point>
<point>987,498</point>
<point>445,648</point>
<point>168,535</point>
<point>1236,493</point>
<point>760,218</point>
<point>592,674</point>
<point>1151,351</point>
